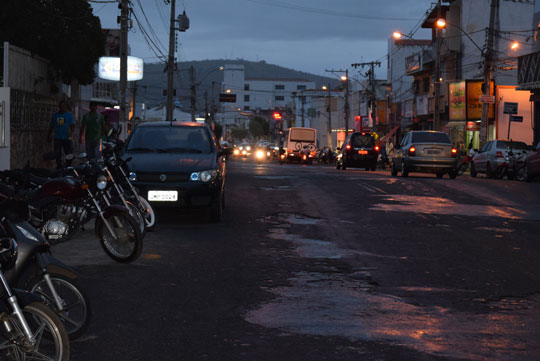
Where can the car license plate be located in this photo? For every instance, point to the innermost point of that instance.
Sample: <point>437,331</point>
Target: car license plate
<point>163,196</point>
<point>362,152</point>
<point>433,151</point>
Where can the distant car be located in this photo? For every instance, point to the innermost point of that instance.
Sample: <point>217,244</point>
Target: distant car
<point>425,152</point>
<point>359,150</point>
<point>177,164</point>
<point>532,164</point>
<point>493,155</point>
<point>242,150</point>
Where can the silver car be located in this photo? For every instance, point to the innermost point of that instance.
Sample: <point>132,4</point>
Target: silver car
<point>494,155</point>
<point>425,152</point>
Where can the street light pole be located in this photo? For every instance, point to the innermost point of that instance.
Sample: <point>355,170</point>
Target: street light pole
<point>123,60</point>
<point>347,110</point>
<point>437,83</point>
<point>170,65</point>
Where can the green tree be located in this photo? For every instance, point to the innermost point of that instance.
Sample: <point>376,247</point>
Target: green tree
<point>63,31</point>
<point>258,127</point>
<point>239,133</point>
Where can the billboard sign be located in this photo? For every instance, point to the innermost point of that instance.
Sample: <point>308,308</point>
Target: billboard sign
<point>457,101</point>
<point>109,68</point>
<point>474,105</point>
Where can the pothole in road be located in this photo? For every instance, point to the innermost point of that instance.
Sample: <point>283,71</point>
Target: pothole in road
<point>338,305</point>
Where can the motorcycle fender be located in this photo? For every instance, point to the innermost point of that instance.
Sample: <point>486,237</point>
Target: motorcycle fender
<point>55,266</point>
<point>24,298</point>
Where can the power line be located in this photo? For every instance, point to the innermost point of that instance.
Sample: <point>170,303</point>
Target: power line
<point>282,4</point>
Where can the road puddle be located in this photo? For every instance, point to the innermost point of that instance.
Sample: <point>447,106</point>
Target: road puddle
<point>438,205</point>
<point>295,218</point>
<point>337,305</point>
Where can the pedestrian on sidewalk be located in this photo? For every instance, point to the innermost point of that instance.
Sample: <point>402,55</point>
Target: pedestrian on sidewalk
<point>61,124</point>
<point>92,127</point>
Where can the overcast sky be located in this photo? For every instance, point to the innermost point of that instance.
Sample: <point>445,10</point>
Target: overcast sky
<point>305,35</point>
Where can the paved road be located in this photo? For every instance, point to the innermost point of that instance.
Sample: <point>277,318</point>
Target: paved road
<point>311,263</point>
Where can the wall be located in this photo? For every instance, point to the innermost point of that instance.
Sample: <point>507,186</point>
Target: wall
<point>4,126</point>
<point>518,131</point>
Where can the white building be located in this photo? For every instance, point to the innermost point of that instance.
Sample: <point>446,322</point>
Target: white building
<point>254,95</point>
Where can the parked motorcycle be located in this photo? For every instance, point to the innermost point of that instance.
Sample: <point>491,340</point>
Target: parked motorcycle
<point>123,185</point>
<point>29,330</point>
<point>37,271</point>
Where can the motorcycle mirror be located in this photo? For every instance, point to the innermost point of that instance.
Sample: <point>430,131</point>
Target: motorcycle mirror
<point>69,156</point>
<point>83,155</point>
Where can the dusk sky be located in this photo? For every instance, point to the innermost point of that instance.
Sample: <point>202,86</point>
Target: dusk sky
<point>303,35</point>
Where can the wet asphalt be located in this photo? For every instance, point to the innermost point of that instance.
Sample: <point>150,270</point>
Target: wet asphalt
<point>312,263</point>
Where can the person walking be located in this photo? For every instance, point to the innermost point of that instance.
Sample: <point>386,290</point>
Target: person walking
<point>61,124</point>
<point>92,127</point>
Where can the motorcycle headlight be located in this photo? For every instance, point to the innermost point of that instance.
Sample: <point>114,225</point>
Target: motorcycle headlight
<point>132,176</point>
<point>204,176</point>
<point>259,154</point>
<point>101,182</point>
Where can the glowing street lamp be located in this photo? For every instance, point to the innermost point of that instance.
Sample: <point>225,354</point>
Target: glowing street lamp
<point>440,23</point>
<point>514,46</point>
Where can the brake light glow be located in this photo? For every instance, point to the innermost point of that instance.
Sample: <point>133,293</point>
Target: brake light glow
<point>348,147</point>
<point>412,151</point>
<point>454,152</point>
<point>499,154</point>
<point>377,148</point>
<point>305,157</point>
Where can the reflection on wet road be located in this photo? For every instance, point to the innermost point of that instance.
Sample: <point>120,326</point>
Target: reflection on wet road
<point>438,205</point>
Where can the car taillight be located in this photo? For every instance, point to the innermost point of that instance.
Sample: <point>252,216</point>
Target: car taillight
<point>454,152</point>
<point>305,157</point>
<point>499,154</point>
<point>412,151</point>
<point>348,147</point>
<point>377,148</point>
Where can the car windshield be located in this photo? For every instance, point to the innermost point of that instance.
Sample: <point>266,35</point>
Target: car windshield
<point>362,140</point>
<point>184,139</point>
<point>430,137</point>
<point>505,144</point>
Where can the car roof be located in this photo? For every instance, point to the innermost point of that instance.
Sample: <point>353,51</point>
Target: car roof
<point>172,124</point>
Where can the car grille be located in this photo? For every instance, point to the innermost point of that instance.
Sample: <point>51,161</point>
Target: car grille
<point>155,177</point>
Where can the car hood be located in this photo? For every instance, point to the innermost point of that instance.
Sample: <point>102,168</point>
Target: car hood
<point>169,162</point>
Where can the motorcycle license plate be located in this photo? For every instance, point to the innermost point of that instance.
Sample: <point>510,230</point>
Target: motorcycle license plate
<point>163,196</point>
<point>362,152</point>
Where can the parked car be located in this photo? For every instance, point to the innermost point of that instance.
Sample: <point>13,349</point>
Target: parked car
<point>532,164</point>
<point>359,150</point>
<point>493,155</point>
<point>178,164</point>
<point>425,152</point>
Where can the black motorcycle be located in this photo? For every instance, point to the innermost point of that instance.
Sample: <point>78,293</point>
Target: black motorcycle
<point>29,330</point>
<point>38,271</point>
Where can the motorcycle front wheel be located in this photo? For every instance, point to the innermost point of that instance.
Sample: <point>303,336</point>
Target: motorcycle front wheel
<point>75,313</point>
<point>148,213</point>
<point>52,341</point>
<point>128,243</point>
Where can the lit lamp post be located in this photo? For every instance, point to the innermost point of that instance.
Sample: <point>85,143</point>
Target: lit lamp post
<point>345,78</point>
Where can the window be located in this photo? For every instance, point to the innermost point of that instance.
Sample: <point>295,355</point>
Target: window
<point>279,97</point>
<point>426,85</point>
<point>300,87</point>
<point>246,107</point>
<point>246,86</point>
<point>280,87</point>
<point>430,137</point>
<point>246,98</point>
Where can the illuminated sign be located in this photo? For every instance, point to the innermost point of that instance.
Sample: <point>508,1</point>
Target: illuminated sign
<point>109,68</point>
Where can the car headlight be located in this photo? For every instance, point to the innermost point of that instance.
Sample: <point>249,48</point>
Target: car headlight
<point>248,148</point>
<point>101,182</point>
<point>259,154</point>
<point>236,152</point>
<point>204,176</point>
<point>268,154</point>
<point>27,234</point>
<point>132,176</point>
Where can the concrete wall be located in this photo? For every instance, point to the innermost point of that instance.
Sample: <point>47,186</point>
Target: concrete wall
<point>518,131</point>
<point>28,72</point>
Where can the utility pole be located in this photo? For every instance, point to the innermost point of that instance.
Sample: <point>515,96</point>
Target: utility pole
<point>193,93</point>
<point>329,127</point>
<point>206,106</point>
<point>347,110</point>
<point>437,75</point>
<point>484,125</point>
<point>171,65</point>
<point>303,100</point>
<point>124,18</point>
<point>373,87</point>
<point>212,103</point>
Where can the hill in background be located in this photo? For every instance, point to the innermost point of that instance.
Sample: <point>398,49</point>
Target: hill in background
<point>150,89</point>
